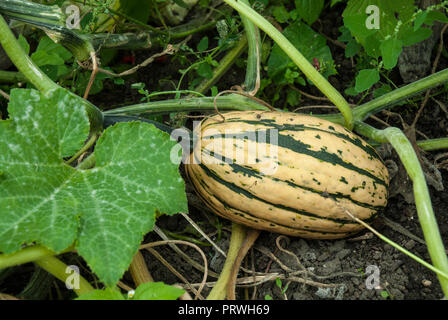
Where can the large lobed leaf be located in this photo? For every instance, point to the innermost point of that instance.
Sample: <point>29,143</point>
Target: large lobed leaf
<point>105,210</point>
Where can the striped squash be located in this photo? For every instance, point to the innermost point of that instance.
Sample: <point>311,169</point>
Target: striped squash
<point>304,176</point>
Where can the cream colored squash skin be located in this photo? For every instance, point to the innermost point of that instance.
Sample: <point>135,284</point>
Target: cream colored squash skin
<point>301,183</point>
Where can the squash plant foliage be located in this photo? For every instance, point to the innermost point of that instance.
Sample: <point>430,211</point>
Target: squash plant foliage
<point>104,210</point>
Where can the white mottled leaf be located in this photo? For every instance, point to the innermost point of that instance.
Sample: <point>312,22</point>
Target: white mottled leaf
<point>106,209</point>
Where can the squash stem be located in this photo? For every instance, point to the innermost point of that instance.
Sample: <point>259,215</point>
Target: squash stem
<point>60,270</point>
<point>251,237</point>
<point>237,238</point>
<point>25,255</point>
<point>139,271</point>
<point>421,193</point>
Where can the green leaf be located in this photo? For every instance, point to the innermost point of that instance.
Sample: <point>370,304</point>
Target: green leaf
<point>265,51</point>
<point>410,37</point>
<point>351,91</point>
<point>293,98</point>
<point>138,85</point>
<point>435,16</point>
<point>182,4</point>
<point>43,58</point>
<point>106,210</point>
<point>335,2</point>
<point>300,81</point>
<point>213,63</point>
<point>106,294</point>
<point>137,9</point>
<point>346,35</point>
<point>309,43</point>
<point>203,44</point>
<point>352,48</point>
<point>309,10</point>
<point>157,291</point>
<point>365,79</point>
<point>214,91</point>
<point>389,15</point>
<point>55,71</point>
<point>390,50</point>
<point>119,81</point>
<point>24,43</point>
<point>385,88</point>
<point>86,19</point>
<point>356,25</point>
<point>51,47</point>
<point>145,291</point>
<point>278,282</point>
<point>49,53</point>
<point>264,83</point>
<point>293,14</point>
<point>385,294</point>
<point>372,46</point>
<point>97,85</point>
<point>291,75</point>
<point>205,70</point>
<point>420,19</point>
<point>280,14</point>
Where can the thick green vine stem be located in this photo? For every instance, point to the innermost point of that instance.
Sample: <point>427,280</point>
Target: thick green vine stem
<point>61,271</point>
<point>390,99</point>
<point>11,77</point>
<point>321,83</point>
<point>230,102</point>
<point>234,102</point>
<point>253,56</point>
<point>21,60</point>
<point>46,260</point>
<point>433,144</point>
<point>238,102</point>
<point>421,193</point>
<point>237,238</point>
<point>26,255</point>
<point>364,111</point>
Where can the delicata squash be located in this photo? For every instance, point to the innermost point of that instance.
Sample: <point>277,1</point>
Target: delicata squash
<point>287,173</point>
